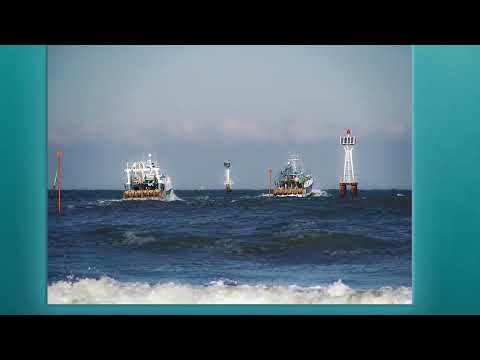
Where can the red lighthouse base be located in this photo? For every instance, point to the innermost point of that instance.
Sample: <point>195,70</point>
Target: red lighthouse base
<point>353,188</point>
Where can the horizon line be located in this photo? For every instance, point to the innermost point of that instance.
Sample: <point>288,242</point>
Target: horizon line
<point>223,189</point>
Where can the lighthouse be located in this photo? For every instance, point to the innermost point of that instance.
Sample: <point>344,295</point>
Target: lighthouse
<point>228,181</point>
<point>348,179</point>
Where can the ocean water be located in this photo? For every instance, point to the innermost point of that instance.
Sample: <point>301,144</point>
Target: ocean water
<point>242,247</point>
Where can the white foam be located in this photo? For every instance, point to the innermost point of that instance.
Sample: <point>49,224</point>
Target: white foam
<point>130,238</point>
<point>320,193</point>
<point>108,291</point>
<point>172,197</point>
<point>106,202</point>
<point>206,197</point>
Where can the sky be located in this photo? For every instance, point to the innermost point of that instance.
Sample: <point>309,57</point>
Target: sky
<point>193,107</point>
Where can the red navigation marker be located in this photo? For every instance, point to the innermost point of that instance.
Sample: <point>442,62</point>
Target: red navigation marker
<point>59,156</point>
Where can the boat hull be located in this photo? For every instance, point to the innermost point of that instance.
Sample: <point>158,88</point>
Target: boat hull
<point>296,191</point>
<point>145,194</point>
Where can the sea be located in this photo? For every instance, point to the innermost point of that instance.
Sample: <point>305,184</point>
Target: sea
<point>242,247</point>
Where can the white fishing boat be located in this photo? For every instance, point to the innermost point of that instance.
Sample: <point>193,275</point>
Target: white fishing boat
<point>292,180</point>
<point>146,180</point>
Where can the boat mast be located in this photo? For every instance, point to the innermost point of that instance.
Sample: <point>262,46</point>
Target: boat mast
<point>59,156</point>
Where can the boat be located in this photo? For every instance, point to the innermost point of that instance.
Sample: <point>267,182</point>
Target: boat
<point>292,180</point>
<point>146,181</point>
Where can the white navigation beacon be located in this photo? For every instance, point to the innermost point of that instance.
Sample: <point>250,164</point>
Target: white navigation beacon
<point>348,142</point>
<point>227,180</point>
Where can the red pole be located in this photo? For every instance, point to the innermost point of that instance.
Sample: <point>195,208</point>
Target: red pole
<point>59,155</point>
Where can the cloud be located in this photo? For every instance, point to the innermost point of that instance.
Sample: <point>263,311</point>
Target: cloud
<point>238,130</point>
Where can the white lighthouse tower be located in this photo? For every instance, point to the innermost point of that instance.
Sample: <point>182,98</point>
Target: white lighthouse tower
<point>348,142</point>
<point>227,181</point>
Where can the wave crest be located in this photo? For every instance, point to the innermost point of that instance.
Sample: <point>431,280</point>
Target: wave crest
<point>109,291</point>
<point>320,193</point>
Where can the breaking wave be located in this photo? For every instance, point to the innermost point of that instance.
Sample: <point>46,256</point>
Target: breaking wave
<point>130,238</point>
<point>109,291</point>
<point>320,193</point>
<point>105,202</point>
<point>173,197</point>
<point>322,243</point>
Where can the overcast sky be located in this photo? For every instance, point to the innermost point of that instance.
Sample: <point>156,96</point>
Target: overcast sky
<point>196,106</point>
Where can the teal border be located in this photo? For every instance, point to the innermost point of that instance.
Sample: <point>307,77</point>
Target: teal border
<point>446,236</point>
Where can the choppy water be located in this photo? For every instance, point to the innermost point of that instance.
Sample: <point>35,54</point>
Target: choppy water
<point>238,247</point>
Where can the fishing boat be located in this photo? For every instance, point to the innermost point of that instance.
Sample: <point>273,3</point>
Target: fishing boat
<point>146,181</point>
<point>292,180</point>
